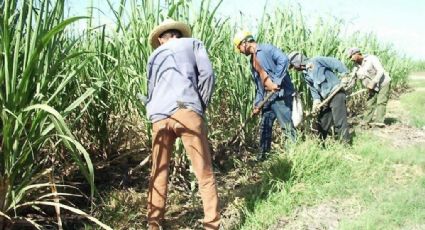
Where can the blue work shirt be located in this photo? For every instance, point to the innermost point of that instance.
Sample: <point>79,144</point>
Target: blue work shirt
<point>180,75</point>
<point>276,64</point>
<point>320,75</point>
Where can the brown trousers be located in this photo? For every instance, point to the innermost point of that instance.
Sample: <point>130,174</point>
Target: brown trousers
<point>189,126</point>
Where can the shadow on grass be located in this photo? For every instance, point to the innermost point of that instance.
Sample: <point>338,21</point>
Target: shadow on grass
<point>276,172</point>
<point>391,120</point>
<point>109,178</point>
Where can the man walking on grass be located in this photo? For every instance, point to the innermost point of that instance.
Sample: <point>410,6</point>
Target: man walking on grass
<point>180,85</point>
<point>370,71</point>
<point>320,74</point>
<point>269,66</point>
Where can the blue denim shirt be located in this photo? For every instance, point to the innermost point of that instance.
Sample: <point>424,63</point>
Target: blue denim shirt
<point>320,75</point>
<point>276,64</point>
<point>180,74</point>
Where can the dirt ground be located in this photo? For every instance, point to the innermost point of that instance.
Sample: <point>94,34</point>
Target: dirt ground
<point>328,215</point>
<point>400,133</point>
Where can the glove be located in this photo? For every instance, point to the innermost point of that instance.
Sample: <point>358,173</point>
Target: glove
<point>316,109</point>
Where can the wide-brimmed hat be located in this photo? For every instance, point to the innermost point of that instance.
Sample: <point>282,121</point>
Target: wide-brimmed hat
<point>168,24</point>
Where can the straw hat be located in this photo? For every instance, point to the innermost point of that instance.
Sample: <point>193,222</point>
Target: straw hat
<point>168,24</point>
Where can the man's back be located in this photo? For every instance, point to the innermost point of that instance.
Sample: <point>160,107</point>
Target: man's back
<point>179,75</point>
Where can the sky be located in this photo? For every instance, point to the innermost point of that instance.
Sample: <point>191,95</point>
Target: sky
<point>399,22</point>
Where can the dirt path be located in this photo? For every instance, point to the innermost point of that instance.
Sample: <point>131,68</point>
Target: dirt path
<point>400,133</point>
<point>328,215</point>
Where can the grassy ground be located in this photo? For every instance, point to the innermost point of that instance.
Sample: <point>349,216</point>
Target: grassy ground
<point>378,183</point>
<point>368,184</point>
<point>373,185</point>
<point>415,100</point>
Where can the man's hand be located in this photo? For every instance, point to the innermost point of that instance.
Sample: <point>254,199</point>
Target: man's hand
<point>315,109</point>
<point>371,85</point>
<point>255,111</point>
<point>272,87</point>
<point>347,83</point>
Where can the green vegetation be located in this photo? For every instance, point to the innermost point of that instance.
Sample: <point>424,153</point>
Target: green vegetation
<point>412,103</point>
<point>417,83</point>
<point>375,183</point>
<point>35,72</point>
<point>69,108</point>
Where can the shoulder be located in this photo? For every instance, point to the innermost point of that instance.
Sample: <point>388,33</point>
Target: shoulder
<point>155,54</point>
<point>316,60</point>
<point>269,47</point>
<point>327,60</point>
<point>191,41</point>
<point>371,57</point>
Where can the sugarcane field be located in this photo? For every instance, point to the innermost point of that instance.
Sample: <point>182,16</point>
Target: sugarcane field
<point>212,114</point>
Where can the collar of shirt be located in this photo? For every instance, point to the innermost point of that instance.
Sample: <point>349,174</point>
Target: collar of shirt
<point>365,60</point>
<point>258,48</point>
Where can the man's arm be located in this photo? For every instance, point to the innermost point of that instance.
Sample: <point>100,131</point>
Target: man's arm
<point>267,83</point>
<point>316,97</point>
<point>282,65</point>
<point>314,93</point>
<point>379,69</point>
<point>150,81</point>
<point>206,78</point>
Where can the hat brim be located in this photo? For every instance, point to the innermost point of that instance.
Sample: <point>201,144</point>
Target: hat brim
<point>180,26</point>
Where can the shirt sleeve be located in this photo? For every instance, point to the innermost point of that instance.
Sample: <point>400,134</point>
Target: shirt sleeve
<point>258,90</point>
<point>379,69</point>
<point>333,64</point>
<point>150,82</point>
<point>206,77</point>
<point>282,64</point>
<point>314,93</point>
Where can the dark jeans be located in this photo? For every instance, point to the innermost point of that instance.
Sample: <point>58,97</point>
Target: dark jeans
<point>281,109</point>
<point>335,113</point>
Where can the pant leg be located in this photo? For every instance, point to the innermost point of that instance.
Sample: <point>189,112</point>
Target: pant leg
<point>283,111</point>
<point>163,140</point>
<point>266,128</point>
<point>370,107</point>
<point>381,102</point>
<point>191,128</point>
<point>339,115</point>
<point>325,120</point>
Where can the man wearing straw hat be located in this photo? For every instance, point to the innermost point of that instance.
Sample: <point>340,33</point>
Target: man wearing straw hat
<point>370,71</point>
<point>269,67</point>
<point>180,85</point>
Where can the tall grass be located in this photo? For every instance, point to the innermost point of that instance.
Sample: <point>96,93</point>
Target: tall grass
<point>34,137</point>
<point>60,89</point>
<point>118,68</point>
